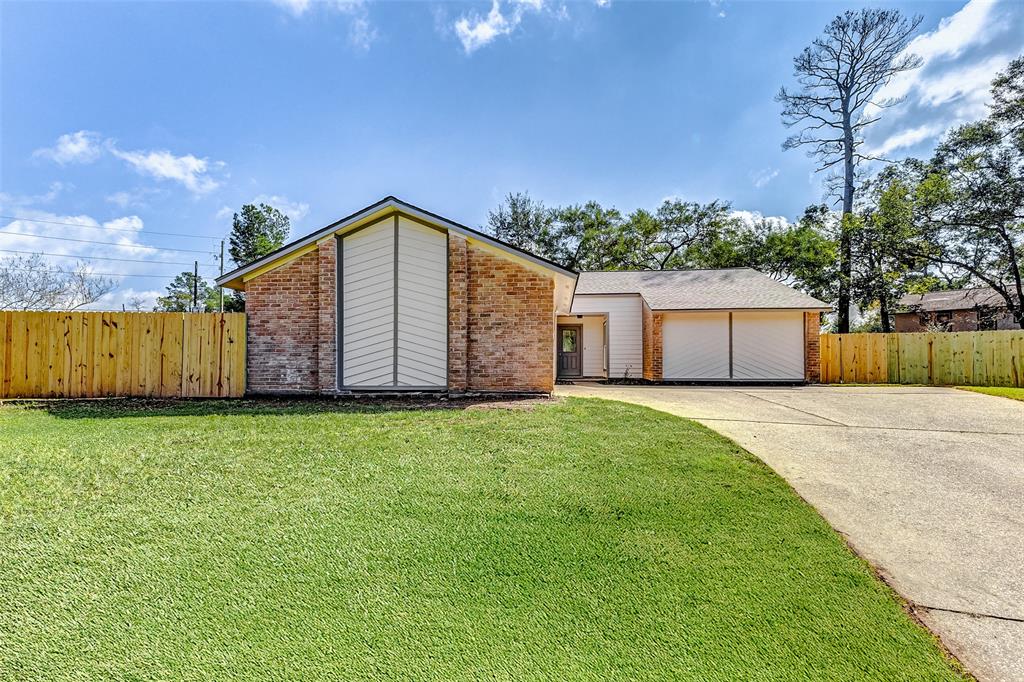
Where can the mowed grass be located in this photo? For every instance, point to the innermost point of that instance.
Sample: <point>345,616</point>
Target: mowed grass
<point>576,540</point>
<point>1001,391</point>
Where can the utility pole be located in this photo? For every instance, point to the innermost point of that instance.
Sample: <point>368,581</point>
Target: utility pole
<point>195,286</point>
<point>221,274</point>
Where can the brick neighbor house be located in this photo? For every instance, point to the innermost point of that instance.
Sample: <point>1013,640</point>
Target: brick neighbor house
<point>955,310</point>
<point>395,298</point>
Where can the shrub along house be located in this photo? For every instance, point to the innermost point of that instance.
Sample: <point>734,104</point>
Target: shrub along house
<point>395,298</point>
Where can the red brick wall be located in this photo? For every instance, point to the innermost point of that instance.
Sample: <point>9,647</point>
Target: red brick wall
<point>510,325</point>
<point>652,340</point>
<point>500,320</point>
<point>283,328</point>
<point>457,311</point>
<point>812,347</point>
<point>327,254</point>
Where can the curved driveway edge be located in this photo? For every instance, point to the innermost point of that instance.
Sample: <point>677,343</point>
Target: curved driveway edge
<point>926,483</point>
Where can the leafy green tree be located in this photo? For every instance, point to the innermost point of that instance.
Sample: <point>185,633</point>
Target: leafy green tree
<point>838,77</point>
<point>885,240</point>
<point>525,223</point>
<point>685,228</point>
<point>971,204</point>
<point>255,232</point>
<point>178,298</point>
<point>802,254</point>
<point>589,237</point>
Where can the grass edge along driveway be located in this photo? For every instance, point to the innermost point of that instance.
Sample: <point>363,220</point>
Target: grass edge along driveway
<point>1001,391</point>
<point>581,539</point>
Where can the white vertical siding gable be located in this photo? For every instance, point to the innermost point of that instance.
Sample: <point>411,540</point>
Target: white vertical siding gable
<point>422,306</point>
<point>368,334</point>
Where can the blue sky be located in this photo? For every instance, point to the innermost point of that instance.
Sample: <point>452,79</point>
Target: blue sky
<point>158,117</point>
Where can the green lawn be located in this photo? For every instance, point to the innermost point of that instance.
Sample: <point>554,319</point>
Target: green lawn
<point>580,540</point>
<point>1002,391</point>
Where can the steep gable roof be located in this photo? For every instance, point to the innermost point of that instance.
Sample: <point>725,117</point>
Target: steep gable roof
<point>729,288</point>
<point>386,206</point>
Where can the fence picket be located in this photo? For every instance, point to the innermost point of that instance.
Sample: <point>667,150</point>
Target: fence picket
<point>988,358</point>
<point>93,354</point>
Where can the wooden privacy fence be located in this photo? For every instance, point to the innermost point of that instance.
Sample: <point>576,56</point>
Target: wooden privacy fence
<point>992,358</point>
<point>90,355</point>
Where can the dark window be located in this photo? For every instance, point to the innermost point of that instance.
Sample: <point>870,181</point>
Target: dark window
<point>568,340</point>
<point>987,318</point>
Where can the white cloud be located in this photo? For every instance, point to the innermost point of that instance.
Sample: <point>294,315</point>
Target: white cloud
<point>86,146</point>
<point>296,7</point>
<point>956,33</point>
<point>16,201</point>
<point>764,176</point>
<point>475,31</point>
<point>129,298</point>
<point>79,147</point>
<point>119,238</point>
<point>959,60</point>
<point>296,210</point>
<point>603,3</point>
<point>907,138</point>
<point>134,198</point>
<point>970,83</point>
<point>752,218</point>
<point>189,170</point>
<point>361,31</point>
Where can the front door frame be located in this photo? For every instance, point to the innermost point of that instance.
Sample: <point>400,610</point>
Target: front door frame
<point>579,350</point>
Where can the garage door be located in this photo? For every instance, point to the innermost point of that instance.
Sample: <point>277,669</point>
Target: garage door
<point>768,345</point>
<point>394,306</point>
<point>760,346</point>
<point>695,346</point>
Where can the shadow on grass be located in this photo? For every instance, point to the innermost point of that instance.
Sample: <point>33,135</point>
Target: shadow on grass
<point>119,408</point>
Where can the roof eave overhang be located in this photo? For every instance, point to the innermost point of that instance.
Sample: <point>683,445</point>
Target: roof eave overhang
<point>236,278</point>
<point>743,309</point>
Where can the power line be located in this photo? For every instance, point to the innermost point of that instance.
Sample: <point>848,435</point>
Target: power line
<point>103,227</point>
<point>123,260</point>
<point>98,274</point>
<point>90,241</point>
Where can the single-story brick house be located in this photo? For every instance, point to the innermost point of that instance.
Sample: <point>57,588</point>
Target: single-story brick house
<point>395,298</point>
<point>954,310</point>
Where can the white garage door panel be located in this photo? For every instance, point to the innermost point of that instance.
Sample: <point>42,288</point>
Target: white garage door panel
<point>695,346</point>
<point>368,298</point>
<point>768,345</point>
<point>422,306</point>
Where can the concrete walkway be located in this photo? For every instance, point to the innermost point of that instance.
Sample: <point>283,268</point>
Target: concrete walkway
<point>926,483</point>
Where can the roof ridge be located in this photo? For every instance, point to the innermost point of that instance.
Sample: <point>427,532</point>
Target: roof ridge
<point>604,272</point>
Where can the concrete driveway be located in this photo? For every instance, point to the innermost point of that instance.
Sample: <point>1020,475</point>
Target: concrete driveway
<point>926,483</point>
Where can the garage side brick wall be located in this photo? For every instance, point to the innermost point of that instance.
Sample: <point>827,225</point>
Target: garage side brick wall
<point>652,356</point>
<point>327,254</point>
<point>812,347</point>
<point>510,325</point>
<point>457,312</point>
<point>283,330</point>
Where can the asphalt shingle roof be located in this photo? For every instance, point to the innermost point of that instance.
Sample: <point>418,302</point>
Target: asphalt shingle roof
<point>954,299</point>
<point>735,288</point>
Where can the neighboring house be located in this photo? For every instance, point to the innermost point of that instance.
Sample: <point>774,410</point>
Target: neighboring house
<point>733,324</point>
<point>395,298</point>
<point>955,310</point>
